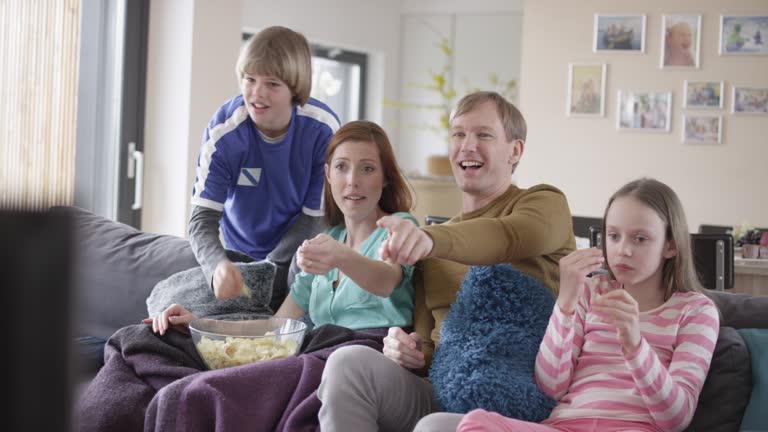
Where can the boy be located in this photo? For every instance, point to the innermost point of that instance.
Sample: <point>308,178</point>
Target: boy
<point>260,169</point>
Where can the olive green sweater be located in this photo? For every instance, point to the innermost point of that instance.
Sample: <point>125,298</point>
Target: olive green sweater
<point>528,228</point>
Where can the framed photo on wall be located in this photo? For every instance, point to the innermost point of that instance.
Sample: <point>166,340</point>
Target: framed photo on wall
<point>619,33</point>
<point>702,129</point>
<point>586,90</point>
<point>743,35</point>
<point>644,111</point>
<point>750,100</point>
<point>680,41</point>
<point>703,94</point>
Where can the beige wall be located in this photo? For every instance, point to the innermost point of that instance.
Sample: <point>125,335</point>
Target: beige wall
<point>588,158</point>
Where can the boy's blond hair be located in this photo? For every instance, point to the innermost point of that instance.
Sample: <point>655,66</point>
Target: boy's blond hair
<point>282,53</point>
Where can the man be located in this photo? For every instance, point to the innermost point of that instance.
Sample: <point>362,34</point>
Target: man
<point>363,390</point>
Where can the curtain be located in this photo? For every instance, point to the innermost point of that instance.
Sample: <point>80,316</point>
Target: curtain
<point>39,62</point>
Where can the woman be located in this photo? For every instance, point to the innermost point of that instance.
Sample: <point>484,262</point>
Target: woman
<point>342,282</point>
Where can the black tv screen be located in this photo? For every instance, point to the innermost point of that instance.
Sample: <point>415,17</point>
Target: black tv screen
<point>36,276</point>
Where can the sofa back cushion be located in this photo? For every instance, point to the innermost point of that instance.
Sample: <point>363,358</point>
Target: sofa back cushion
<point>117,267</point>
<point>726,391</point>
<point>741,310</point>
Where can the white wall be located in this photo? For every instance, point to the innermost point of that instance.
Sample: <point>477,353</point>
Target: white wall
<point>461,6</point>
<point>589,159</point>
<point>483,43</point>
<point>193,47</point>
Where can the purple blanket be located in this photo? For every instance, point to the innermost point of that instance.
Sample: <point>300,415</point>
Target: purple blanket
<point>151,382</point>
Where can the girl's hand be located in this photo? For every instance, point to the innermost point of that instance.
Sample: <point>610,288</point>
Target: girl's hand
<point>620,309</point>
<point>175,316</point>
<point>574,269</point>
<point>320,254</point>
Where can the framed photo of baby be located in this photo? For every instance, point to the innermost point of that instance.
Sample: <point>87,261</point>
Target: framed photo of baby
<point>586,90</point>
<point>703,94</point>
<point>681,37</point>
<point>743,35</point>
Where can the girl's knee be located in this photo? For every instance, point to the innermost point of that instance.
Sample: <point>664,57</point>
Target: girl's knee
<point>438,422</point>
<point>476,420</point>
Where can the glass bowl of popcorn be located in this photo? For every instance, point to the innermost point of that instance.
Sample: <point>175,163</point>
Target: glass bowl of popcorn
<point>225,343</point>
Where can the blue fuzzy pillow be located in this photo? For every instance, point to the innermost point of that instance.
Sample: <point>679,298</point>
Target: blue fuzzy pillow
<point>488,345</point>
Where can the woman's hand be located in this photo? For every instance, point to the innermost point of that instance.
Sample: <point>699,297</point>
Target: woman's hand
<point>404,348</point>
<point>321,254</point>
<point>574,269</point>
<point>227,280</point>
<point>174,315</point>
<point>620,309</point>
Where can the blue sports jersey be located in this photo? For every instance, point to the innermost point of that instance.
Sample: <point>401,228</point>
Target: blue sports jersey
<point>262,187</point>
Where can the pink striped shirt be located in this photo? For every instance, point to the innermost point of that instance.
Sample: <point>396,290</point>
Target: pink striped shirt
<point>581,364</point>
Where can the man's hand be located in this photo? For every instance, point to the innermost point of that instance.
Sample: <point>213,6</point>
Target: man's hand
<point>406,243</point>
<point>404,348</point>
<point>227,280</point>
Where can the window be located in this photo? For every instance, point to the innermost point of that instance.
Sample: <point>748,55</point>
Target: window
<point>338,79</point>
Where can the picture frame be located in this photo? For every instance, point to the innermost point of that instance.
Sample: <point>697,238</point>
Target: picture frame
<point>743,35</point>
<point>647,111</point>
<point>749,100</point>
<point>586,90</point>
<point>703,94</point>
<point>619,33</point>
<point>680,41</point>
<point>702,129</point>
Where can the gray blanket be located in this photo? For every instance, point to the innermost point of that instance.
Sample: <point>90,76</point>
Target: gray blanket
<point>190,289</point>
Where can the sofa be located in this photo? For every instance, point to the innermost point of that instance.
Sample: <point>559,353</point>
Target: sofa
<point>118,266</point>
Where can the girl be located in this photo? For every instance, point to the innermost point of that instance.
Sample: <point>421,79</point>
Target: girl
<point>628,350</point>
<point>343,281</point>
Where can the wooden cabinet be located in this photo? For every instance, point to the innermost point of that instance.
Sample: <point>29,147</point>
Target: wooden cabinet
<point>435,196</point>
<point>750,276</point>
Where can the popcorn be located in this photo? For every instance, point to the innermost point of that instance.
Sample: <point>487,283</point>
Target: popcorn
<point>236,351</point>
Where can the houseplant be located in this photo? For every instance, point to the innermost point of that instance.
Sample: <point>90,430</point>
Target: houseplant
<point>750,243</point>
<point>441,84</point>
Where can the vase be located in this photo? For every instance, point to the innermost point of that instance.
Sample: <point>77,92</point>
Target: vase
<point>750,251</point>
<point>439,166</point>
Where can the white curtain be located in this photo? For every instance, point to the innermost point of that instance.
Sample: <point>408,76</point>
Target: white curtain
<point>39,58</point>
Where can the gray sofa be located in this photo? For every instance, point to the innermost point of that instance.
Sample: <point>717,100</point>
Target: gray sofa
<point>119,266</point>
